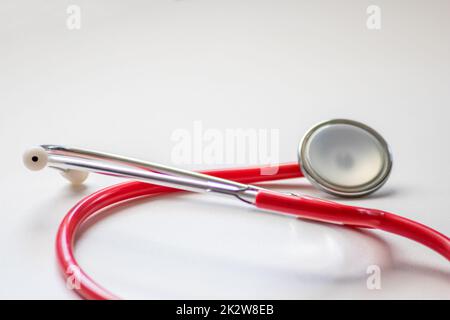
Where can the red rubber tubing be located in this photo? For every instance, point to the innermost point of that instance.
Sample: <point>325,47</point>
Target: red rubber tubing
<point>333,212</point>
<point>303,207</point>
<point>90,205</point>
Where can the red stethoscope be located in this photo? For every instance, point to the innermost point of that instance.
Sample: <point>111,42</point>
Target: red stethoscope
<point>342,157</point>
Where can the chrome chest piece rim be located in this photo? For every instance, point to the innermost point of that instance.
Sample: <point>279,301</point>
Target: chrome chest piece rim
<point>345,158</point>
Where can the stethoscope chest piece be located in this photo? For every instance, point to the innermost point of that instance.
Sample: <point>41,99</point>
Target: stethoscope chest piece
<point>345,158</point>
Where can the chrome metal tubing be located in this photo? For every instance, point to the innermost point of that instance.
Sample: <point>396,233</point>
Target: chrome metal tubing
<point>90,154</point>
<point>188,182</point>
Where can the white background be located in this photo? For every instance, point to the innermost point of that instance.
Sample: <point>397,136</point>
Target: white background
<point>139,70</point>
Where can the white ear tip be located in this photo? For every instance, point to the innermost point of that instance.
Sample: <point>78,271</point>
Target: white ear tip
<point>35,158</point>
<point>76,177</point>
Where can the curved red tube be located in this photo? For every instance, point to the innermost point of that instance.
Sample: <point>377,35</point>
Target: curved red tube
<point>333,212</point>
<point>304,207</point>
<point>79,280</point>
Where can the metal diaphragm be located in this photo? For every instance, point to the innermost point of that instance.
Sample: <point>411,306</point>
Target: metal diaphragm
<point>345,158</point>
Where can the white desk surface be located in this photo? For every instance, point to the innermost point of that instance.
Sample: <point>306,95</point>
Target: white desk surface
<point>138,70</point>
